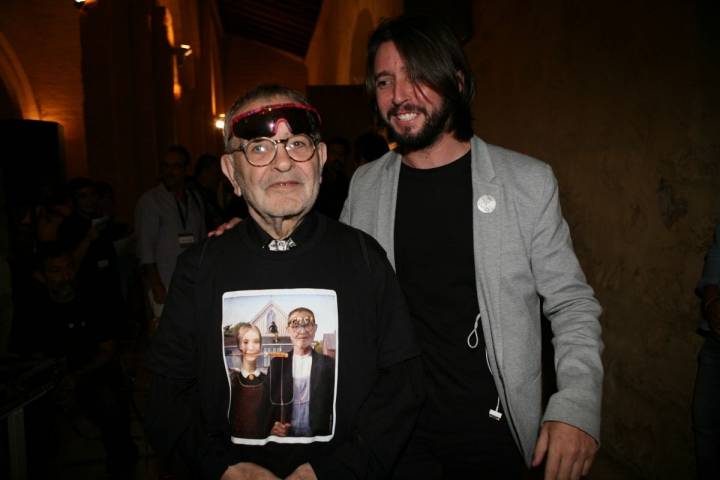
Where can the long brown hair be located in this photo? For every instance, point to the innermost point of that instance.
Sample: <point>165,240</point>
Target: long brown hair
<point>433,57</point>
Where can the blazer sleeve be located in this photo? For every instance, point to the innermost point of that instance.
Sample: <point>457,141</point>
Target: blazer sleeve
<point>346,215</point>
<point>570,306</point>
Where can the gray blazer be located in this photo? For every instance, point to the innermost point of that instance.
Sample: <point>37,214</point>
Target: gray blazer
<point>523,251</point>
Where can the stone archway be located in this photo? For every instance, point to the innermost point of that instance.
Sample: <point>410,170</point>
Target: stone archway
<point>17,85</point>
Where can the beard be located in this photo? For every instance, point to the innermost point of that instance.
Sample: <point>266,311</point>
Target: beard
<point>434,126</point>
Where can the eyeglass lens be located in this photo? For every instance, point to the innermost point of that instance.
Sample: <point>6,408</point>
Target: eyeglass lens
<point>262,151</point>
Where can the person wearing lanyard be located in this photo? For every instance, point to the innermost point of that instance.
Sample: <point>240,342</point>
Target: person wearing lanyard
<point>168,219</point>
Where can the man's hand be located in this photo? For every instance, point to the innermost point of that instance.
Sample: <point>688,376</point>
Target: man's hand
<point>247,471</point>
<point>303,472</point>
<point>230,224</point>
<point>570,451</point>
<point>280,429</point>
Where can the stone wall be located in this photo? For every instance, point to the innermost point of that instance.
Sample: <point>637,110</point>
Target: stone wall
<point>248,64</point>
<point>336,55</point>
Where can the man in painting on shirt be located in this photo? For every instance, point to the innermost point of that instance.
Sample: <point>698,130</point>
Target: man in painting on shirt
<point>301,385</point>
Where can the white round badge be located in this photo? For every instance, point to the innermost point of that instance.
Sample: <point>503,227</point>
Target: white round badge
<point>486,204</point>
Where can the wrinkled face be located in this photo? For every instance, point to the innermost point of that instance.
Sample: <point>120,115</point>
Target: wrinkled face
<point>250,344</point>
<point>415,113</point>
<point>302,328</point>
<point>284,188</point>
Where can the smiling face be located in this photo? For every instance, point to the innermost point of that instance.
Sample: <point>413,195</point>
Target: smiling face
<point>284,189</point>
<point>415,113</point>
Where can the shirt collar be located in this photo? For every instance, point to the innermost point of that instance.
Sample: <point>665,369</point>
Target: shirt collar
<point>298,237</point>
<point>247,373</point>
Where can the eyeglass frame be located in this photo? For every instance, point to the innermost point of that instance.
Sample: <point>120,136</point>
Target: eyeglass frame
<point>307,327</point>
<point>313,137</point>
<point>303,322</point>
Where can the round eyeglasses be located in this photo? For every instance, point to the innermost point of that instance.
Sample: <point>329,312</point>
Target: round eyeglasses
<point>261,151</point>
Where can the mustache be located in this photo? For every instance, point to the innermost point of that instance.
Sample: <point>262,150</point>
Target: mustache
<point>406,108</point>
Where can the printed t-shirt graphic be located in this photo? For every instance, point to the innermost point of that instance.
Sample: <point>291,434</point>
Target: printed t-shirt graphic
<point>281,350</point>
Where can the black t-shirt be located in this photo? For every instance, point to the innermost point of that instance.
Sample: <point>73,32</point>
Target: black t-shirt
<point>436,269</point>
<point>374,337</point>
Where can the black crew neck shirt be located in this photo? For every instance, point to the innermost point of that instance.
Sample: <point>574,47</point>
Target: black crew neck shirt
<point>436,269</point>
<point>375,340</point>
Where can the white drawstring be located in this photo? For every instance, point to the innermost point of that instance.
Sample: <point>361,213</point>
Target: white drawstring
<point>473,342</point>
<point>493,413</point>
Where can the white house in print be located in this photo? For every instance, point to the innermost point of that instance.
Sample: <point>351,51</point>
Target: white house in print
<point>269,314</point>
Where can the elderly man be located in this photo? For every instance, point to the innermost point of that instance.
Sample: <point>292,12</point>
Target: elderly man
<point>302,380</point>
<point>481,248</point>
<point>274,159</point>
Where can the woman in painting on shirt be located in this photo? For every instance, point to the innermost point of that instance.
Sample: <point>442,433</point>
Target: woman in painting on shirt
<point>249,402</point>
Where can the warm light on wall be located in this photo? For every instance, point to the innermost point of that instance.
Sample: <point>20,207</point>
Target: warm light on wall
<point>178,54</point>
<point>182,52</point>
<point>83,3</point>
<point>185,50</point>
<point>220,121</point>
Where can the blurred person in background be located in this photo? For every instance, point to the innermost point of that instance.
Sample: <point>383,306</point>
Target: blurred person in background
<point>84,233</point>
<point>169,218</point>
<point>58,320</point>
<point>206,182</point>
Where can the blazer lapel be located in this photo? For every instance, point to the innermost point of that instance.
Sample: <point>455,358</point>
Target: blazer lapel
<point>488,205</point>
<point>387,196</point>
